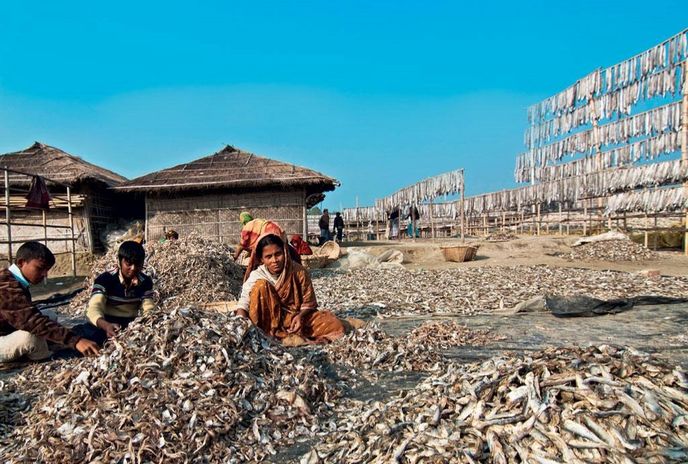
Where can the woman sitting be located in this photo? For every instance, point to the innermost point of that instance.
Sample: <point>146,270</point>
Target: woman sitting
<point>278,296</point>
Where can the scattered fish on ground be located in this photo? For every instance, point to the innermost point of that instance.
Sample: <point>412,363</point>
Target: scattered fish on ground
<point>600,404</point>
<point>611,250</point>
<point>474,290</point>
<point>370,349</point>
<point>177,385</point>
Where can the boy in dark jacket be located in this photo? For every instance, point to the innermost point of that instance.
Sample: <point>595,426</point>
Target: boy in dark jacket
<point>118,297</point>
<point>24,331</point>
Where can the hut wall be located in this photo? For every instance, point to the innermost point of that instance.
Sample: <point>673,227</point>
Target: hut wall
<point>216,216</point>
<point>60,217</point>
<point>103,209</point>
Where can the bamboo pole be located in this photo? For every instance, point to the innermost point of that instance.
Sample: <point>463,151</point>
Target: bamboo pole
<point>8,217</point>
<point>71,229</point>
<point>45,227</point>
<point>539,219</point>
<point>655,234</point>
<point>432,222</point>
<point>145,218</point>
<point>560,224</point>
<point>647,226</point>
<point>463,209</point>
<point>684,147</point>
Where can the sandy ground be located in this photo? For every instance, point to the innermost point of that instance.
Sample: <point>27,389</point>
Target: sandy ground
<point>525,251</point>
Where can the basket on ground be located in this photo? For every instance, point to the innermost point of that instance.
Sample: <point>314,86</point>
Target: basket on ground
<point>315,261</point>
<point>459,253</point>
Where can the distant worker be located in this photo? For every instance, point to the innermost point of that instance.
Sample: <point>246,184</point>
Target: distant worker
<point>24,330</point>
<point>394,223</point>
<point>339,226</point>
<point>300,245</point>
<point>170,235</point>
<point>119,296</point>
<point>413,217</point>
<point>251,230</point>
<point>324,224</point>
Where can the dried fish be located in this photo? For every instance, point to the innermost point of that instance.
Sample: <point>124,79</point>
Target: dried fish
<point>189,271</point>
<point>422,349</point>
<point>611,250</point>
<point>573,430</point>
<point>177,385</point>
<point>389,292</point>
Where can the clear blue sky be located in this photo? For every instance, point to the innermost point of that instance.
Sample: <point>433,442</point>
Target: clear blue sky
<point>377,94</point>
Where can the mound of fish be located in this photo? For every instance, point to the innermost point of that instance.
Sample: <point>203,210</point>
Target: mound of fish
<point>421,350</point>
<point>561,405</point>
<point>611,250</point>
<point>389,292</point>
<point>501,237</point>
<point>187,271</point>
<point>177,386</point>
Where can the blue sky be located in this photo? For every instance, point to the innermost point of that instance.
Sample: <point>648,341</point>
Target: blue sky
<point>377,94</point>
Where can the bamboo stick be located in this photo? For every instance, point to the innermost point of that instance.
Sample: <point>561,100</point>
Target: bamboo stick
<point>8,216</point>
<point>71,224</point>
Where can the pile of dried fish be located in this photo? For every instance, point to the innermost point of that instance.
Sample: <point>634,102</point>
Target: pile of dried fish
<point>188,271</point>
<point>371,348</point>
<point>12,403</point>
<point>611,250</point>
<point>562,405</point>
<point>387,292</point>
<point>177,386</point>
<point>501,237</point>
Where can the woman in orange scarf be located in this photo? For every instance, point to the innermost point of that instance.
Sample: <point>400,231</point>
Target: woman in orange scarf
<point>278,296</point>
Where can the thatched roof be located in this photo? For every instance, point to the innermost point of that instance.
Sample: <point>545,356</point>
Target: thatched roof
<point>231,169</point>
<point>53,163</point>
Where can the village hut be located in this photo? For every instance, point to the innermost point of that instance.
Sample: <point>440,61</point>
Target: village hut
<point>93,204</point>
<point>206,196</point>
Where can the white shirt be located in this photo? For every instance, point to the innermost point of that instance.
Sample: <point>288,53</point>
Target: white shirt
<point>260,273</point>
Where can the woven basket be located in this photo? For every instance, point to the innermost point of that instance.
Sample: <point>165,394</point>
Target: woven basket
<point>330,249</point>
<point>315,261</point>
<point>459,254</point>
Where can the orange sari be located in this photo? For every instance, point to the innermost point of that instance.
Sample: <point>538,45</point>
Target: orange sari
<point>273,308</point>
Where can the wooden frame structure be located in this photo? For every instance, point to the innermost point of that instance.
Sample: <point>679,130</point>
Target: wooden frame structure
<point>12,206</point>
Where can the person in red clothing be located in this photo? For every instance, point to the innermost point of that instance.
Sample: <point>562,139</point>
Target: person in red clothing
<point>24,331</point>
<point>300,245</point>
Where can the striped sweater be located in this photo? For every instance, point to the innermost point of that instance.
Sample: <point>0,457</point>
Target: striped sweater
<point>109,296</point>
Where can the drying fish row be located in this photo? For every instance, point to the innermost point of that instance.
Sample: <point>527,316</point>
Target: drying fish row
<point>447,183</point>
<point>611,250</point>
<point>180,385</point>
<point>388,292</point>
<point>647,149</point>
<point>657,59</point>
<point>597,405</point>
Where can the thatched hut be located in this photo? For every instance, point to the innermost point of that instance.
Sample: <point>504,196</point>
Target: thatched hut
<point>206,196</point>
<point>93,202</point>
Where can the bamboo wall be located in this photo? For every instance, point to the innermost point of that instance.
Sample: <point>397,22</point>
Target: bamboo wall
<point>21,234</point>
<point>216,216</point>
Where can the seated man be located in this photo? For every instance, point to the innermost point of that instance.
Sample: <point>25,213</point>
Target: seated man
<point>23,329</point>
<point>119,296</point>
<point>279,297</point>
